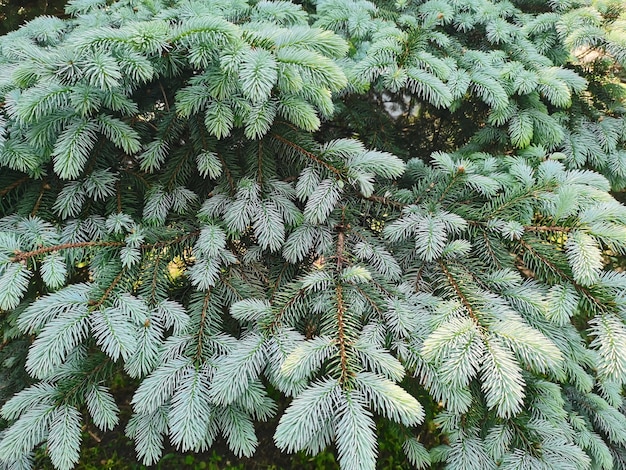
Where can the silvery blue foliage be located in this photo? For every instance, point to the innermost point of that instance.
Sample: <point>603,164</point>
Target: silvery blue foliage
<point>228,201</point>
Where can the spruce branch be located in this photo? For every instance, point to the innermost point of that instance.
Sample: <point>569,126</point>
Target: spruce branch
<point>528,193</point>
<point>155,279</point>
<point>278,317</point>
<point>72,395</point>
<point>227,172</point>
<point>458,290</point>
<point>20,256</point>
<point>530,228</point>
<point>383,200</point>
<point>278,280</point>
<point>370,301</point>
<point>96,304</point>
<point>460,172</point>
<point>600,304</point>
<point>549,228</point>
<point>178,168</point>
<point>308,154</point>
<point>549,263</point>
<point>164,95</point>
<point>490,248</point>
<point>140,176</point>
<point>473,259</point>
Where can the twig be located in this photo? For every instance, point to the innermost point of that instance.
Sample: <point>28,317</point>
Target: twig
<point>24,255</point>
<point>167,104</point>
<point>382,200</point>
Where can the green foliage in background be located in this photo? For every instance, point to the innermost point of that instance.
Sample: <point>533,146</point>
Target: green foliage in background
<point>329,215</point>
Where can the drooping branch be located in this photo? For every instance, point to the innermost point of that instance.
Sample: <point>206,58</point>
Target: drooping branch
<point>165,100</point>
<point>14,185</point>
<point>341,308</point>
<point>205,307</point>
<point>341,334</point>
<point>227,172</point>
<point>259,158</point>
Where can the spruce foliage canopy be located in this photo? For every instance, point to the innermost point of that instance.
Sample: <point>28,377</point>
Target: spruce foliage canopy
<point>369,209</point>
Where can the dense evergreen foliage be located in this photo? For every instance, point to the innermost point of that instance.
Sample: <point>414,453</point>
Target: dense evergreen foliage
<point>372,210</point>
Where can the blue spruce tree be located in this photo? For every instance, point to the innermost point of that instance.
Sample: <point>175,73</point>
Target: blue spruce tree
<point>397,211</point>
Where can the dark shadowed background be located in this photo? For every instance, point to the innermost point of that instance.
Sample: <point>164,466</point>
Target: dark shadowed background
<point>14,13</point>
